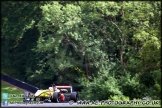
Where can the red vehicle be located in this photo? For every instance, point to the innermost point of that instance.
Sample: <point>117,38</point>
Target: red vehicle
<point>59,95</point>
<point>63,95</point>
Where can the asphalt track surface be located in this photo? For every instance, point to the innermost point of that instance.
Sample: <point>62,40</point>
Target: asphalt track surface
<point>45,105</point>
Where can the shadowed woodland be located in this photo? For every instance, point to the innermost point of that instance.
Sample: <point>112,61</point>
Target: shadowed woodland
<point>104,49</point>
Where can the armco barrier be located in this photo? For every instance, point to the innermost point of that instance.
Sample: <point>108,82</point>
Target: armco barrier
<point>19,83</point>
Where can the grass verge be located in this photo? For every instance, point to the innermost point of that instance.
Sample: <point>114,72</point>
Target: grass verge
<point>12,91</point>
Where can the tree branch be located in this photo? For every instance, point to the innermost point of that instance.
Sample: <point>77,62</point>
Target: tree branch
<point>117,27</point>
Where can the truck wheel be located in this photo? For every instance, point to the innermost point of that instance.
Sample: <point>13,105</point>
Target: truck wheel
<point>56,97</point>
<point>74,96</point>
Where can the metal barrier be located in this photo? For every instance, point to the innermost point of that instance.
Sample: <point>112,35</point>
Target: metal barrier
<point>19,83</point>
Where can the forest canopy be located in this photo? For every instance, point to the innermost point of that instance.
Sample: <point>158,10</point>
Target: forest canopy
<point>105,49</point>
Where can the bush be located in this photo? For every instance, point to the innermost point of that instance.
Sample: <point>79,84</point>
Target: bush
<point>100,88</point>
<point>130,86</point>
<point>154,91</point>
<point>119,97</point>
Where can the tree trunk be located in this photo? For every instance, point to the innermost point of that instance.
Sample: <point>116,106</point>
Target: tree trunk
<point>86,64</point>
<point>121,55</point>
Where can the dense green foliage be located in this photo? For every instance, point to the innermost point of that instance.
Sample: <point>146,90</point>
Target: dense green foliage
<point>105,49</point>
